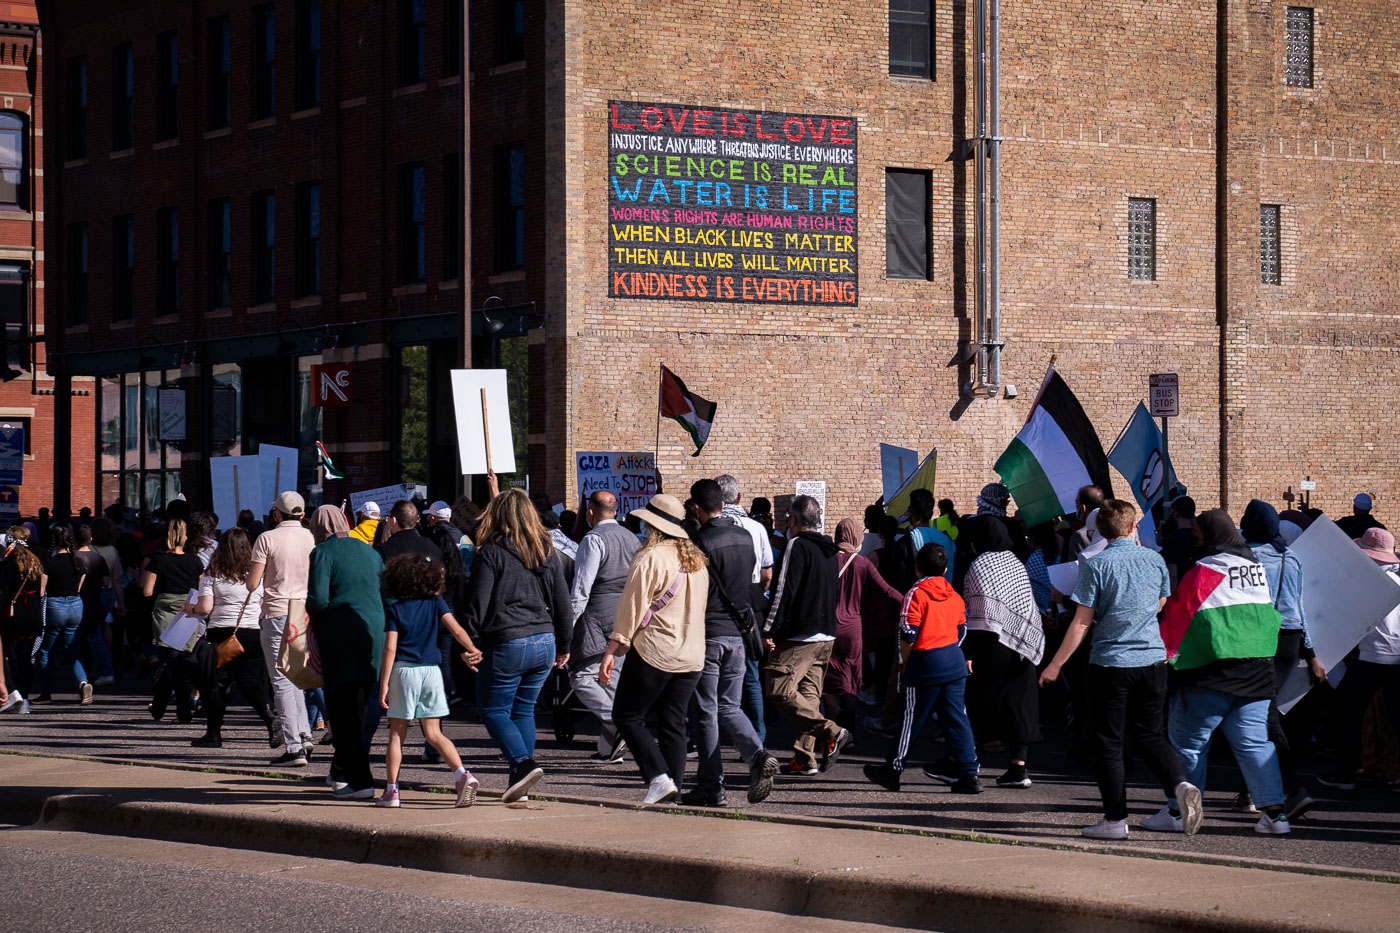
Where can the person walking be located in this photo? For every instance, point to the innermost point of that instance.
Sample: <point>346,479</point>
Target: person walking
<point>600,574</point>
<point>167,578</point>
<point>1221,628</point>
<point>97,584</point>
<point>232,612</point>
<point>21,576</point>
<point>410,680</point>
<point>863,593</point>
<point>518,613</point>
<point>660,623</point>
<point>403,534</point>
<point>729,621</point>
<point>64,573</point>
<point>758,588</point>
<point>281,566</point>
<point>800,633</point>
<point>1005,641</point>
<point>931,630</point>
<point>1119,594</point>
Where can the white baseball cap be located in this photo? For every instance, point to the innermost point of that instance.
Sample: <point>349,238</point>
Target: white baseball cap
<point>370,509</point>
<point>440,509</point>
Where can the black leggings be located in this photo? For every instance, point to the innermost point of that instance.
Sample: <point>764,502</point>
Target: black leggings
<point>640,688</point>
<point>246,670</point>
<point>174,677</point>
<point>1003,697</point>
<point>19,651</point>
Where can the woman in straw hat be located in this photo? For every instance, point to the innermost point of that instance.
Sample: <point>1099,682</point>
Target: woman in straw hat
<point>661,619</point>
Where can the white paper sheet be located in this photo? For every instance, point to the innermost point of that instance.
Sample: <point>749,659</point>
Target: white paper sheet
<point>183,627</point>
<point>382,496</point>
<point>467,385</point>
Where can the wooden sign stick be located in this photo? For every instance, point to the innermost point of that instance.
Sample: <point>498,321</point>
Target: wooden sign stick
<point>486,431</point>
<point>236,507</point>
<point>277,477</point>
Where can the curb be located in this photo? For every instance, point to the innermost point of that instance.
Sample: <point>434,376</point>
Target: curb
<point>816,822</point>
<point>834,895</point>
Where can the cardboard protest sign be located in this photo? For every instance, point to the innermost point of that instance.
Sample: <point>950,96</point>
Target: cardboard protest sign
<point>278,466</point>
<point>482,409</point>
<point>383,496</point>
<point>1344,596</point>
<point>897,464</point>
<point>631,477</point>
<point>236,484</point>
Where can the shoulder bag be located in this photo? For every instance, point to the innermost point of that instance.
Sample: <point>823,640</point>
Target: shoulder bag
<point>300,658</point>
<point>230,648</point>
<point>744,619</point>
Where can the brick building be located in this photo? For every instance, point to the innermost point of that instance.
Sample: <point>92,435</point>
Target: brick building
<point>1196,187</point>
<point>27,397</point>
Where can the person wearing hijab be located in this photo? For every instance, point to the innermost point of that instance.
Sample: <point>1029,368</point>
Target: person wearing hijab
<point>991,511</point>
<point>1262,530</point>
<point>1222,629</point>
<point>1005,641</point>
<point>862,592</point>
<point>347,618</point>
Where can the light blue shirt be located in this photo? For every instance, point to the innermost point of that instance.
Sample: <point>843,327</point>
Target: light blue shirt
<point>1125,584</point>
<point>928,535</point>
<point>1285,574</point>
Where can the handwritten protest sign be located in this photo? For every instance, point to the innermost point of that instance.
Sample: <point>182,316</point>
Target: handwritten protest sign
<point>629,476</point>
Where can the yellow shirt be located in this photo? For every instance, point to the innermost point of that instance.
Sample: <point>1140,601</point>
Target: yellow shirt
<point>365,530</point>
<point>674,640</point>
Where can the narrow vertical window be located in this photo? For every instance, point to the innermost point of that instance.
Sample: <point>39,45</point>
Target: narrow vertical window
<point>510,208</point>
<point>77,264</point>
<point>167,261</point>
<point>510,31</point>
<point>308,92</point>
<point>452,38</point>
<point>77,108</point>
<point>911,38</point>
<point>1270,261</point>
<point>167,86</point>
<point>308,255</point>
<point>1298,47</point>
<point>264,247</point>
<point>413,216</point>
<point>123,98</point>
<point>452,213</point>
<point>220,252</point>
<point>220,73</point>
<point>907,207</point>
<point>264,62</point>
<point>14,181</point>
<point>413,42</point>
<point>1142,238</point>
<point>123,265</point>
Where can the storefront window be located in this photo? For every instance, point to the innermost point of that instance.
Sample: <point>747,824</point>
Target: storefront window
<point>110,429</point>
<point>413,414</point>
<point>225,410</point>
<point>515,360</point>
<point>308,423</point>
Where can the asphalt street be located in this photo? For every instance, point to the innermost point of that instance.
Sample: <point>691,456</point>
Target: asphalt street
<point>1352,830</point>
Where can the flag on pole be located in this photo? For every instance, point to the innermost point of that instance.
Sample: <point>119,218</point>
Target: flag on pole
<point>922,478</point>
<point>1221,609</point>
<point>323,459</point>
<point>1140,456</point>
<point>689,410</point>
<point>1055,454</point>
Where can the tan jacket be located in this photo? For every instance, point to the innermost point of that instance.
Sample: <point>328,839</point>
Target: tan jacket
<point>674,640</point>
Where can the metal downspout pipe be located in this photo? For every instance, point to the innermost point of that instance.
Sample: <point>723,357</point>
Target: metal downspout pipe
<point>980,196</point>
<point>987,206</point>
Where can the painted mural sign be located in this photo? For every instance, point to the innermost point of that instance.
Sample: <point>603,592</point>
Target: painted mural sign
<point>719,204</point>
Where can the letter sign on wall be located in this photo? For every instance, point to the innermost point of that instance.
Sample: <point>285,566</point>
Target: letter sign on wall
<point>332,385</point>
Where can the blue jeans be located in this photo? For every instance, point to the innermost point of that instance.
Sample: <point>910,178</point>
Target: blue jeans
<point>947,698</point>
<point>63,619</point>
<point>752,704</point>
<point>508,683</point>
<point>1197,712</point>
<point>715,705</point>
<point>315,705</point>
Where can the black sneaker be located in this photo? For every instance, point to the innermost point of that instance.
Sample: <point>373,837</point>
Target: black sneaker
<point>1015,776</point>
<point>430,756</point>
<point>274,732</point>
<point>967,785</point>
<point>1338,781</point>
<point>946,770</point>
<point>700,797</point>
<point>884,775</point>
<point>207,741</point>
<point>291,759</point>
<point>765,766</point>
<point>522,777</point>
<point>834,749</point>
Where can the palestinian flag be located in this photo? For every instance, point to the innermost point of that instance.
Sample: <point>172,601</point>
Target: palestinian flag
<point>1057,452</point>
<point>1222,609</point>
<point>323,458</point>
<point>689,410</point>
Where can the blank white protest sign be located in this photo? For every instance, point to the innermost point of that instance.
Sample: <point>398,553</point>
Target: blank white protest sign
<point>467,386</point>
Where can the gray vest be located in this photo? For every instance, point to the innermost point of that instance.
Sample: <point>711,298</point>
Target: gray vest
<point>592,629</point>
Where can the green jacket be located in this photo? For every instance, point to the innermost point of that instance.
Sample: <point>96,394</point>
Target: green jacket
<point>347,613</point>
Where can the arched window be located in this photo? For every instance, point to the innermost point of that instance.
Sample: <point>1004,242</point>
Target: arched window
<point>12,169</point>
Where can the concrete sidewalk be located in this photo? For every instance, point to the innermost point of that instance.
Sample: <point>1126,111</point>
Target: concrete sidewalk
<point>845,874</point>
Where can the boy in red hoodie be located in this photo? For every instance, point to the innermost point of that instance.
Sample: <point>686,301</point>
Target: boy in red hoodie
<point>931,629</point>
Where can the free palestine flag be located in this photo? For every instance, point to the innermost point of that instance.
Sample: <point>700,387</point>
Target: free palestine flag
<point>323,458</point>
<point>1055,454</point>
<point>1222,609</point>
<point>1140,456</point>
<point>689,410</point>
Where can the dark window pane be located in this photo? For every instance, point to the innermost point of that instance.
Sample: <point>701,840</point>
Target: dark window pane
<point>167,86</point>
<point>308,54</point>
<point>452,212</point>
<point>510,208</point>
<point>413,213</point>
<point>308,255</point>
<point>123,265</point>
<point>77,107</point>
<point>77,264</point>
<point>911,38</point>
<point>510,31</point>
<point>123,98</point>
<point>412,42</point>
<point>167,261</point>
<point>220,252</point>
<point>452,38</point>
<point>906,224</point>
<point>264,246</point>
<point>264,58</point>
<point>219,73</point>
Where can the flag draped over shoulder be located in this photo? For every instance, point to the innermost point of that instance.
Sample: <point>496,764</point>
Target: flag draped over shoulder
<point>690,411</point>
<point>1222,609</point>
<point>1055,454</point>
<point>1140,456</point>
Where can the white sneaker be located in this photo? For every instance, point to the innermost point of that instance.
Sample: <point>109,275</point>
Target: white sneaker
<point>1162,821</point>
<point>660,790</point>
<point>1107,829</point>
<point>1271,826</point>
<point>16,702</point>
<point>1188,800</point>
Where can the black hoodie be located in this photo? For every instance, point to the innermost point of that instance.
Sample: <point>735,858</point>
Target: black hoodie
<point>806,591</point>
